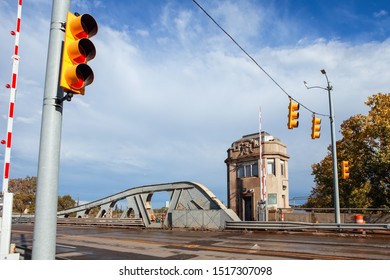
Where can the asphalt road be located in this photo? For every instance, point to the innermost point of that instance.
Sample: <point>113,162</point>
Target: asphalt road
<point>90,243</point>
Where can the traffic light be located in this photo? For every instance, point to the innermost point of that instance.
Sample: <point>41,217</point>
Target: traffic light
<point>315,128</point>
<point>293,115</point>
<point>345,169</point>
<point>77,51</point>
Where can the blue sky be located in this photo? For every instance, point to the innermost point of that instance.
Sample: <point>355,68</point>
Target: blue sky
<point>172,92</point>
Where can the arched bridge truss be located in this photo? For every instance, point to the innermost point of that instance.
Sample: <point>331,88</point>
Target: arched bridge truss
<point>190,205</point>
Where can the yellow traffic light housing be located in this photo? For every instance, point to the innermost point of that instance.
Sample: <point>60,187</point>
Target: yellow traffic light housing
<point>315,128</point>
<point>77,51</point>
<point>293,115</point>
<point>345,169</point>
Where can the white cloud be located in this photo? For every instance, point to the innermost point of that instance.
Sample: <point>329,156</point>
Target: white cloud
<point>143,33</point>
<point>381,13</point>
<point>241,20</point>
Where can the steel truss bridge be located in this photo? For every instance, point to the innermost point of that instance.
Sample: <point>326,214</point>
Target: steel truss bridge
<point>190,205</point>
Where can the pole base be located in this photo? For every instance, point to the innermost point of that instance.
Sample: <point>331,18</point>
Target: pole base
<point>15,256</point>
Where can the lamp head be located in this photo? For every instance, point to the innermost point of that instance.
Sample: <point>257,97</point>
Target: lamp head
<point>323,71</point>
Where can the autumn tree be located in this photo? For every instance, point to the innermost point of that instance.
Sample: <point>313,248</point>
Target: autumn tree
<point>65,202</point>
<point>24,195</point>
<point>365,145</point>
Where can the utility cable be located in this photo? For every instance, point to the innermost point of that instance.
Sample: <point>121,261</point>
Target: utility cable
<point>254,61</point>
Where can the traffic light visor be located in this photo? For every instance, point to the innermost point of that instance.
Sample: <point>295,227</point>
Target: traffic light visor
<point>294,106</point>
<point>79,76</point>
<point>83,26</point>
<point>81,51</point>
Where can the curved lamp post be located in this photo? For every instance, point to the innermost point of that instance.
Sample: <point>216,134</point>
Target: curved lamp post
<point>334,152</point>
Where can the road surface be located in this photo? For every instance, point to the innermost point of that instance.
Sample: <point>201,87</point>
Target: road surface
<point>93,243</point>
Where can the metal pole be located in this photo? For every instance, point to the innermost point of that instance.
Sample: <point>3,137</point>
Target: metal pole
<point>336,199</point>
<point>334,155</point>
<point>45,225</point>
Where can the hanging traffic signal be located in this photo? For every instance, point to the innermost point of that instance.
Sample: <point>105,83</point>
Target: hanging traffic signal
<point>315,128</point>
<point>77,51</point>
<point>345,169</point>
<point>293,115</point>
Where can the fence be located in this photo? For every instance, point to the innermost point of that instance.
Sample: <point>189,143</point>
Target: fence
<point>326,215</point>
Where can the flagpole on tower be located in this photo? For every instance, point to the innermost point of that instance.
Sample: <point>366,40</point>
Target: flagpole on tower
<point>262,207</point>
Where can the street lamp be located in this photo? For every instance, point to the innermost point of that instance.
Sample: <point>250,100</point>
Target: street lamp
<point>334,152</point>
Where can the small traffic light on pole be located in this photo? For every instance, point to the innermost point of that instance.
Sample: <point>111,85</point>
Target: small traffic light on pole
<point>77,51</point>
<point>345,169</point>
<point>293,115</point>
<point>315,128</point>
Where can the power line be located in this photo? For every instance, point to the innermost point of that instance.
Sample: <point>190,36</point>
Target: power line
<point>254,61</point>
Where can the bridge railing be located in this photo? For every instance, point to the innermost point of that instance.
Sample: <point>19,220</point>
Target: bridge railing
<point>326,215</point>
<point>342,210</point>
<point>255,225</point>
<point>122,222</point>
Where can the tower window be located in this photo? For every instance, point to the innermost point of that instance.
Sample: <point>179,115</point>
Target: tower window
<point>250,169</point>
<point>272,199</point>
<point>271,166</point>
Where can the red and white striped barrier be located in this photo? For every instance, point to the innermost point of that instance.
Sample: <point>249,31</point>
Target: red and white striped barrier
<point>12,87</point>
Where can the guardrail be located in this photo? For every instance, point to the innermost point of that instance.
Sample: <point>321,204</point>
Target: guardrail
<point>342,210</point>
<point>302,226</point>
<point>22,219</point>
<point>126,222</point>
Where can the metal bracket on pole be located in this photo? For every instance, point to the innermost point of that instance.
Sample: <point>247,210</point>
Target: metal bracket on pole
<point>67,97</point>
<point>63,26</point>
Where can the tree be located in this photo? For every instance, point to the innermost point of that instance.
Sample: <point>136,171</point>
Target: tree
<point>24,195</point>
<point>365,145</point>
<point>65,202</point>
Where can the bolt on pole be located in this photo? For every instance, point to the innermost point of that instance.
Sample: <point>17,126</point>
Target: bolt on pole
<point>45,225</point>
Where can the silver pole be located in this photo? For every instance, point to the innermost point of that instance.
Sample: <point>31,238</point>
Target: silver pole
<point>45,225</point>
<point>334,155</point>
<point>336,199</point>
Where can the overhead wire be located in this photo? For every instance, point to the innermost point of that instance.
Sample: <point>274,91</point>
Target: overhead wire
<point>254,61</point>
